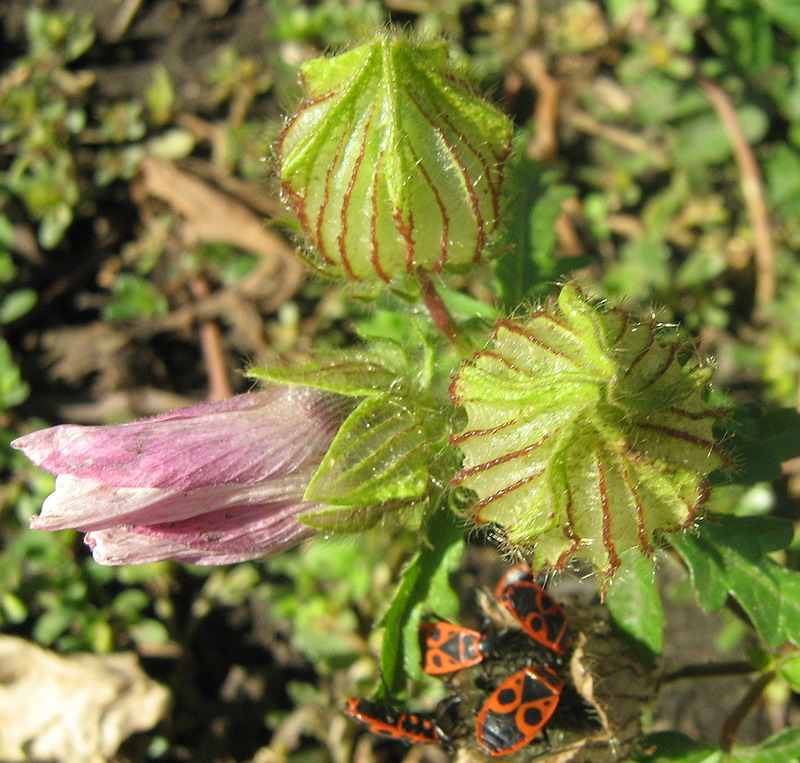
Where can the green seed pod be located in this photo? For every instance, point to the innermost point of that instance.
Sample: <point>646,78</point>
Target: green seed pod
<point>393,163</point>
<point>588,432</point>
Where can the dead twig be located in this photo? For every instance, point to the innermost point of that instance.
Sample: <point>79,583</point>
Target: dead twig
<point>636,144</point>
<point>752,191</point>
<point>206,214</point>
<point>544,143</point>
<point>219,385</point>
<point>123,18</point>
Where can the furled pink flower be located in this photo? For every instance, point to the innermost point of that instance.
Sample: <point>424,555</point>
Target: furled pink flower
<point>209,484</point>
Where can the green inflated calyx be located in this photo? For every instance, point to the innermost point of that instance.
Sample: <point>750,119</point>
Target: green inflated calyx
<point>393,163</point>
<point>588,432</point>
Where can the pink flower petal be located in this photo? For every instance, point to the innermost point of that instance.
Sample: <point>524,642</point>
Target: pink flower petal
<point>86,505</point>
<point>210,484</point>
<point>222,538</point>
<point>245,439</point>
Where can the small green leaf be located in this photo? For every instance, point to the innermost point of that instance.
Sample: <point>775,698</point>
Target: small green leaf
<point>780,748</point>
<point>731,553</point>
<point>16,304</point>
<point>785,14</point>
<point>347,519</point>
<point>790,671</point>
<point>705,569</point>
<point>171,144</point>
<point>761,441</point>
<point>674,746</point>
<point>160,96</point>
<point>635,607</point>
<point>367,371</point>
<point>380,453</point>
<point>750,536</point>
<point>529,268</point>
<point>13,389</point>
<point>134,297</point>
<point>356,373</point>
<point>425,586</point>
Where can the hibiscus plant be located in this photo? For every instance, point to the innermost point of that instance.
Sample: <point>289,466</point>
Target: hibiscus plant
<point>570,432</point>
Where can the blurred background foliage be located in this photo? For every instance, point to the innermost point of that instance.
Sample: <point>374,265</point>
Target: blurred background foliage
<point>144,257</point>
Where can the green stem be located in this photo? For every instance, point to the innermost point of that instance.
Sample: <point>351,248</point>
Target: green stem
<point>440,314</point>
<point>711,670</point>
<point>732,723</point>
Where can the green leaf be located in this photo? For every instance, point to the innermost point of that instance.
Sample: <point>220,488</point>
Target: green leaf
<point>762,440</point>
<point>380,453</point>
<point>348,519</point>
<point>529,268</point>
<point>729,555</point>
<point>160,96</point>
<point>358,373</point>
<point>425,586</point>
<point>780,748</point>
<point>783,179</point>
<point>635,607</point>
<point>643,266</point>
<point>620,10</point>
<point>790,672</point>
<point>674,746</point>
<point>703,139</point>
<point>706,570</point>
<point>13,388</point>
<point>134,297</point>
<point>785,14</point>
<point>689,8</point>
<point>371,370</point>
<point>751,536</point>
<point>16,304</point>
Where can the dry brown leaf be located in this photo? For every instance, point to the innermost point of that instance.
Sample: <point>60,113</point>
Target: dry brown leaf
<point>209,215</point>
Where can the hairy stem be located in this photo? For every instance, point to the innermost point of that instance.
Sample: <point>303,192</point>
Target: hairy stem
<point>440,314</point>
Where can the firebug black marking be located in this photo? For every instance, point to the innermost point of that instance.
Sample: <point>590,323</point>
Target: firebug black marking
<point>447,647</point>
<point>540,616</point>
<point>517,574</point>
<point>410,727</point>
<point>517,710</point>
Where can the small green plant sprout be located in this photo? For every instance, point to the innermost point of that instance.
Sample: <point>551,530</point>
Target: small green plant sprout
<point>588,432</point>
<point>393,165</point>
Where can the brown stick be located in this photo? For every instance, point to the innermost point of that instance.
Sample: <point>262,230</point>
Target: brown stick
<point>544,143</point>
<point>219,386</point>
<point>630,141</point>
<point>752,191</point>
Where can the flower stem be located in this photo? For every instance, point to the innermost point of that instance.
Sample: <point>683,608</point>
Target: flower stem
<point>440,314</point>
<point>711,670</point>
<point>731,726</point>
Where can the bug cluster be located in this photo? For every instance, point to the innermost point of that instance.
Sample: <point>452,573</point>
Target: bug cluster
<point>517,709</point>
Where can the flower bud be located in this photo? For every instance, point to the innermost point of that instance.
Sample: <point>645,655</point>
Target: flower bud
<point>393,163</point>
<point>214,483</point>
<point>588,432</point>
